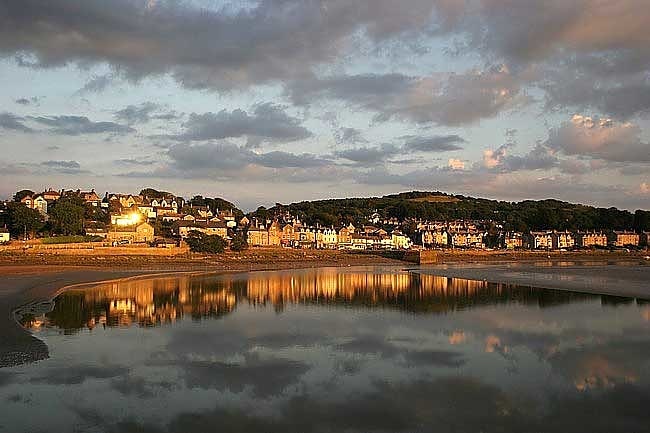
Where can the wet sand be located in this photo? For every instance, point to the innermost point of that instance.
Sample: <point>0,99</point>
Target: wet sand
<point>28,285</point>
<point>627,279</point>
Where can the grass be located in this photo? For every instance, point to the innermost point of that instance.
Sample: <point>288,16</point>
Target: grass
<point>70,239</point>
<point>435,199</point>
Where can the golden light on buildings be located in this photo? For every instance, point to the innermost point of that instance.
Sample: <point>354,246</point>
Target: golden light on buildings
<point>129,220</point>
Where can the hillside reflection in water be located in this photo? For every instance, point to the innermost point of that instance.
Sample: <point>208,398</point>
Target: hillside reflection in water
<point>332,350</point>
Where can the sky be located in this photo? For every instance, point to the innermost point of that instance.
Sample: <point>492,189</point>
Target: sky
<point>286,100</point>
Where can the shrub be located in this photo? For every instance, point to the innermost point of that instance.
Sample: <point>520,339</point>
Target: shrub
<point>202,243</point>
<point>238,243</point>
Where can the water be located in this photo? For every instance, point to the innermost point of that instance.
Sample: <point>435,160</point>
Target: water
<point>355,350</point>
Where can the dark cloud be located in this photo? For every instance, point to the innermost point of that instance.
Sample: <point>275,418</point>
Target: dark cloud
<point>274,39</point>
<point>227,156</point>
<point>349,136</point>
<point>97,84</point>
<point>12,122</point>
<point>78,125</point>
<point>445,99</point>
<point>441,143</point>
<point>133,161</point>
<point>278,159</point>
<point>266,123</point>
<point>70,165</point>
<point>27,101</point>
<point>361,89</point>
<point>368,155</point>
<point>409,144</point>
<point>143,113</point>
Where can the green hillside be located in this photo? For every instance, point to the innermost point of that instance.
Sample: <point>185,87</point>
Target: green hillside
<point>525,215</point>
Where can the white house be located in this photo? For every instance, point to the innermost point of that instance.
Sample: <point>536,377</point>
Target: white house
<point>4,235</point>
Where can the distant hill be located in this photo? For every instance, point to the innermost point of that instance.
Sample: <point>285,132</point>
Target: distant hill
<point>525,215</point>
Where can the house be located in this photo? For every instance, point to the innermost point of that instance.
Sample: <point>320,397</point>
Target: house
<point>400,240</point>
<point>257,236</point>
<point>513,240</point>
<point>467,239</point>
<point>435,238</point>
<point>541,240</point>
<point>330,239</point>
<point>626,239</point>
<point>275,234</point>
<point>90,197</point>
<point>4,235</point>
<point>345,234</point>
<point>562,240</point>
<point>591,239</point>
<point>134,234</point>
<point>28,201</point>
<point>51,195</point>
<point>289,235</point>
<point>183,228</point>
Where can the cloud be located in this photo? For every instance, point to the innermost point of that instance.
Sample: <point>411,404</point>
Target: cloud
<point>228,156</point>
<point>12,122</point>
<point>600,138</point>
<point>540,157</point>
<point>445,99</point>
<point>368,155</point>
<point>27,101</point>
<point>143,113</point>
<point>266,123</point>
<point>349,136</point>
<point>271,40</point>
<point>78,125</point>
<point>456,164</point>
<point>440,143</point>
<point>59,167</point>
<point>96,84</point>
<point>62,164</point>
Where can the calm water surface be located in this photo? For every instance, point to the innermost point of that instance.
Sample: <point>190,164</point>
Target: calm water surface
<point>331,350</point>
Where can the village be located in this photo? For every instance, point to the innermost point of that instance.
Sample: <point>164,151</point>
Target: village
<point>165,220</point>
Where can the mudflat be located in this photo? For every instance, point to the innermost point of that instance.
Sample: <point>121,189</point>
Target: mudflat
<point>628,278</point>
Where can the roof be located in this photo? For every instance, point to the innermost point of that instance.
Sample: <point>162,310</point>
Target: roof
<point>3,230</point>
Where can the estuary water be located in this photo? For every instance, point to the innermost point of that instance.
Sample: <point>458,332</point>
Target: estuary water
<point>332,350</point>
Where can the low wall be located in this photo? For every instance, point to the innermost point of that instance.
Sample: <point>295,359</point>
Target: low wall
<point>96,249</point>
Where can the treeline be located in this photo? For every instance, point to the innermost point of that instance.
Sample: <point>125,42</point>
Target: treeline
<point>520,216</point>
<point>65,216</point>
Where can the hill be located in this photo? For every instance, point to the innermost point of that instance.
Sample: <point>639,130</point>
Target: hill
<point>525,215</point>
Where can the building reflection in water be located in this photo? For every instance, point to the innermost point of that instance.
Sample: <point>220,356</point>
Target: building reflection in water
<point>157,301</point>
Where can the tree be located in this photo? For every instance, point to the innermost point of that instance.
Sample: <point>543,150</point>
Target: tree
<point>239,242</point>
<point>642,220</point>
<point>23,219</point>
<point>201,243</point>
<point>22,194</point>
<point>67,215</point>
